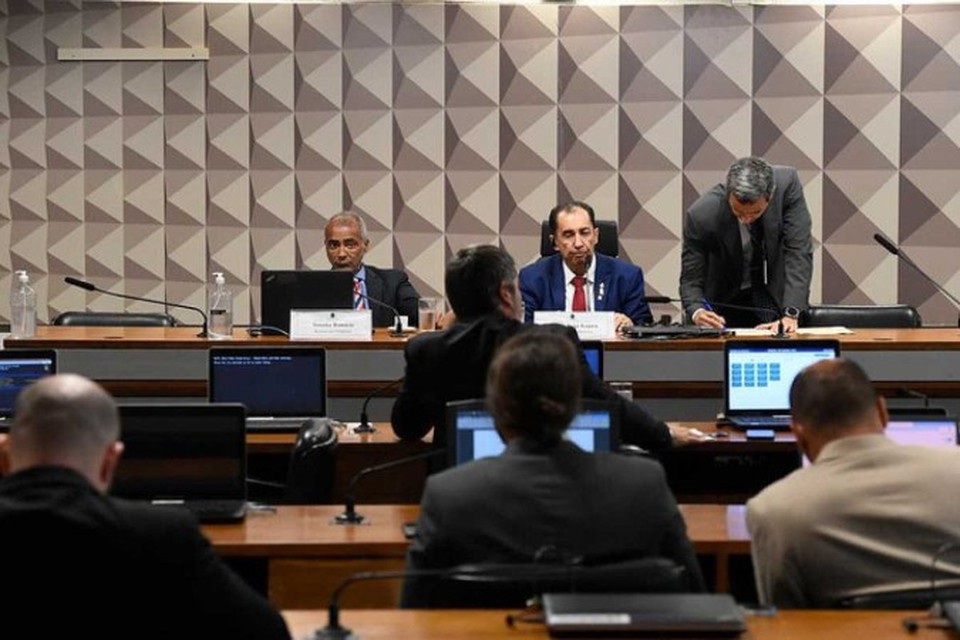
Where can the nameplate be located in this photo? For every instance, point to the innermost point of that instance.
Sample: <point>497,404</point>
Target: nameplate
<point>590,325</point>
<point>330,324</point>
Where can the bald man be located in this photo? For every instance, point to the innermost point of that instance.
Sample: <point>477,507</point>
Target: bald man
<point>98,565</point>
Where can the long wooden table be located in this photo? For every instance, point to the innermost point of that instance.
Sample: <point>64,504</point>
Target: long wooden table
<point>488,625</point>
<point>307,555</point>
<point>680,380</point>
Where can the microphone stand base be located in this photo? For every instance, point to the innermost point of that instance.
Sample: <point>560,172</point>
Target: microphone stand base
<point>364,427</point>
<point>348,518</point>
<point>334,633</point>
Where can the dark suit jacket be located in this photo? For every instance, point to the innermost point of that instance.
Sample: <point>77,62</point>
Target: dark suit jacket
<point>78,563</point>
<point>452,365</point>
<point>619,287</point>
<point>604,507</point>
<point>392,287</point>
<point>712,261</point>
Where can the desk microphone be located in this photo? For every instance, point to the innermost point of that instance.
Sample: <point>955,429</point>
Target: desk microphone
<point>397,331</point>
<point>350,515</point>
<point>887,244</point>
<point>760,310</point>
<point>89,286</point>
<point>365,426</point>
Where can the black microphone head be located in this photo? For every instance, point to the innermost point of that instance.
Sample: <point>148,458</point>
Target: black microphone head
<point>886,243</point>
<point>79,283</point>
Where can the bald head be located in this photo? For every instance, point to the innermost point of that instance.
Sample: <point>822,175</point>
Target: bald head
<point>65,420</point>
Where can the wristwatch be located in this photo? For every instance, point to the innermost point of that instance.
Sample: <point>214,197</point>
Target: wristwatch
<point>791,312</point>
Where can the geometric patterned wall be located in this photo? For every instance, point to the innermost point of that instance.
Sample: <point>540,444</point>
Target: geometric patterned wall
<point>447,124</point>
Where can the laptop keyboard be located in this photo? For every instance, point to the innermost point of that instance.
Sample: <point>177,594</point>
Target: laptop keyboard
<point>770,422</point>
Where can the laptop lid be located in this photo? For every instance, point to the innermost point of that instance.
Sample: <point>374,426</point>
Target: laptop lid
<point>603,614</point>
<point>471,433</point>
<point>281,291</point>
<point>18,369</point>
<point>924,431</point>
<point>182,452</point>
<point>593,350</point>
<point>758,373</point>
<point>271,382</point>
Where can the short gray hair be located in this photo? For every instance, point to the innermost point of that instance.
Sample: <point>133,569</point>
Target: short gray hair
<point>750,179</point>
<point>349,217</point>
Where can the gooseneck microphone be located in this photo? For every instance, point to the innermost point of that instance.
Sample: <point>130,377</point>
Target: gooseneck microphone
<point>350,515</point>
<point>760,310</point>
<point>397,331</point>
<point>887,244</point>
<point>89,286</point>
<point>365,426</point>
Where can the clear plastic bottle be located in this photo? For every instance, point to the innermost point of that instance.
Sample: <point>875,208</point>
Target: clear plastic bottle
<point>221,309</point>
<point>23,307</point>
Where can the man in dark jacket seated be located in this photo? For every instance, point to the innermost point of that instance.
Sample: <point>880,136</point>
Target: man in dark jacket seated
<point>543,497</point>
<point>483,291</point>
<point>78,563</point>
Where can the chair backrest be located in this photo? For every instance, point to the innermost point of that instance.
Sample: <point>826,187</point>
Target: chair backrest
<point>313,463</point>
<point>892,316</point>
<point>608,245</point>
<point>486,586</point>
<point>112,319</point>
<point>922,598</point>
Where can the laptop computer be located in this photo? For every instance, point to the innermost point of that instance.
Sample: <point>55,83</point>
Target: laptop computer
<point>281,291</point>
<point>924,431</point>
<point>18,369</point>
<point>281,387</point>
<point>757,375</point>
<point>671,332</point>
<point>191,456</point>
<point>593,351</point>
<point>632,615</point>
<point>471,433</point>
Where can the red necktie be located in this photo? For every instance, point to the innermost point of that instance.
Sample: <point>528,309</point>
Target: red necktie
<point>579,294</point>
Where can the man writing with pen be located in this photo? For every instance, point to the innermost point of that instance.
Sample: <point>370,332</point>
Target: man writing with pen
<point>747,252</point>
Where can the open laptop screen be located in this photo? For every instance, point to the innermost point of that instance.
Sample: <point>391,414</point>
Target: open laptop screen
<point>20,368</point>
<point>924,432</point>
<point>176,451</point>
<point>758,373</point>
<point>472,434</point>
<point>274,382</point>
<point>593,351</point>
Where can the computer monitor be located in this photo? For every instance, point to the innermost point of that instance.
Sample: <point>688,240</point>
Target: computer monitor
<point>593,351</point>
<point>471,433</point>
<point>282,291</point>
<point>19,368</point>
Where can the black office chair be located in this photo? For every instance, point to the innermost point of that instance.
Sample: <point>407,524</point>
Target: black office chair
<point>113,319</point>
<point>922,598</point>
<point>313,464</point>
<point>891,316</point>
<point>608,244</point>
<point>511,586</point>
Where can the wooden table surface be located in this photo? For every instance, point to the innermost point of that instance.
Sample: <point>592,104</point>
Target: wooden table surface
<point>487,625</point>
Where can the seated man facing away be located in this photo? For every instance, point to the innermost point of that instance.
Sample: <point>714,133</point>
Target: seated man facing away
<point>867,515</point>
<point>79,563</point>
<point>577,278</point>
<point>543,495</point>
<point>481,284</point>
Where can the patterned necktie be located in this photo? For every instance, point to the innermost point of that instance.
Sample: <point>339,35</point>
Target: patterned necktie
<point>579,294</point>
<point>359,302</point>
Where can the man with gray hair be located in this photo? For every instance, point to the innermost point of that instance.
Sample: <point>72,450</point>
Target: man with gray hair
<point>346,241</point>
<point>102,566</point>
<point>747,253</point>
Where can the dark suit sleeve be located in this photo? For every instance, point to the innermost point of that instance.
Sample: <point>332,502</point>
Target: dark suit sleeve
<point>530,292</point>
<point>796,245</point>
<point>675,544</point>
<point>634,301</point>
<point>636,425</point>
<point>407,299</point>
<point>413,412</point>
<point>693,265</point>
<point>225,604</point>
<point>425,552</point>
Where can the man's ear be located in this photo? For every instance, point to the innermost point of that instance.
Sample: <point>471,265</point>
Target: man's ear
<point>882,410</point>
<point>108,466</point>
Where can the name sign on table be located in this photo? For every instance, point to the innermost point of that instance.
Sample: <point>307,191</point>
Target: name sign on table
<point>590,325</point>
<point>330,324</point>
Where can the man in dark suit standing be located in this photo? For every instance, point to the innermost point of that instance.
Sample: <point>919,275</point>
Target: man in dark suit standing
<point>345,238</point>
<point>482,288</point>
<point>79,563</point>
<point>747,243</point>
<point>577,278</point>
<point>543,498</point>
